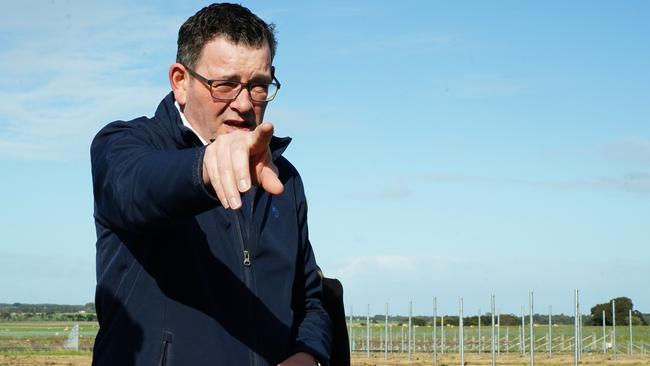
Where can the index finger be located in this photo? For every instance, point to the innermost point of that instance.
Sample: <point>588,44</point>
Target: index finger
<point>239,158</point>
<point>261,137</point>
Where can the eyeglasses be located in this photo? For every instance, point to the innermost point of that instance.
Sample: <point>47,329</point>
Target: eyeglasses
<point>227,90</point>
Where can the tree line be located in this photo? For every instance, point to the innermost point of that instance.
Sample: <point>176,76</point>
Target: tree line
<point>486,319</point>
<point>47,312</point>
<point>623,307</point>
<point>86,312</point>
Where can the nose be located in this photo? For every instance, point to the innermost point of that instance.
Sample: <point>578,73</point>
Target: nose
<point>242,103</point>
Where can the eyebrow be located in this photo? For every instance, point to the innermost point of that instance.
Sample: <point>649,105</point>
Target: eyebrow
<point>256,78</point>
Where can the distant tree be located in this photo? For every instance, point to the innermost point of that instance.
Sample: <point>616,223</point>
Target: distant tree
<point>508,320</point>
<point>470,320</point>
<point>451,320</point>
<point>419,321</point>
<point>646,318</point>
<point>563,319</point>
<point>638,318</point>
<point>597,314</point>
<point>623,307</point>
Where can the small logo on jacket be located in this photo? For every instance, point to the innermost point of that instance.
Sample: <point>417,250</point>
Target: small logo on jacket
<point>275,211</point>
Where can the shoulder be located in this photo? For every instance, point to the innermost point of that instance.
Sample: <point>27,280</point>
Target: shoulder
<point>141,125</point>
<point>155,130</point>
<point>122,127</point>
<point>141,130</point>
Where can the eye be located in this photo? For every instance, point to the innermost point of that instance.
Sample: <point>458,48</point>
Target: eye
<point>225,87</point>
<point>259,88</point>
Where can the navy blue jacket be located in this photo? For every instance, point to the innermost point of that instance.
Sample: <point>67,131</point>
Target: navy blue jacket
<point>180,279</point>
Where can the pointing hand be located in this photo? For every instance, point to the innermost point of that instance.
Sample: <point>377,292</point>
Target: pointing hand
<point>236,160</point>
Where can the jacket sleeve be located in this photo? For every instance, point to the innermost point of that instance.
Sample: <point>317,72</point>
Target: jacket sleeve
<point>139,184</point>
<point>313,333</point>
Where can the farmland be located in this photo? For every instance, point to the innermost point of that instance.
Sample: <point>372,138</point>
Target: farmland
<point>508,351</point>
<point>509,338</point>
<point>41,343</point>
<point>358,359</point>
<point>47,336</point>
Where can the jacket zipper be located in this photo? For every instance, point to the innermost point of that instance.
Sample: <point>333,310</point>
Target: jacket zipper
<point>250,231</point>
<point>247,258</point>
<point>246,269</point>
<point>246,254</point>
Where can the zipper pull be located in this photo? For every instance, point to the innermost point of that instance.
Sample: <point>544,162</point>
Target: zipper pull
<point>247,258</point>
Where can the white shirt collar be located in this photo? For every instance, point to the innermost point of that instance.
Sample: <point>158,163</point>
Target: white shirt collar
<point>187,124</point>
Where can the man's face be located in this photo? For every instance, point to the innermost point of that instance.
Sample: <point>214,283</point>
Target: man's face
<point>223,60</point>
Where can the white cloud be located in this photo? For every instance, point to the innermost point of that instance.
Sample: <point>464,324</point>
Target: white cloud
<point>75,66</point>
<point>387,193</point>
<point>392,266</point>
<point>631,149</point>
<point>638,182</point>
<point>445,177</point>
<point>347,10</point>
<point>405,41</point>
<point>633,181</point>
<point>413,40</point>
<point>39,278</point>
<point>376,280</point>
<point>485,86</point>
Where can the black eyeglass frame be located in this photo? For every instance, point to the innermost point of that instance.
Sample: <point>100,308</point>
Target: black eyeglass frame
<point>248,86</point>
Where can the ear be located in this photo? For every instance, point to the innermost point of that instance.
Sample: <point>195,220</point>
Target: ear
<point>179,81</point>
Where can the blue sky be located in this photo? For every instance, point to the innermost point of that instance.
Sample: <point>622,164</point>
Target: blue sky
<point>448,148</point>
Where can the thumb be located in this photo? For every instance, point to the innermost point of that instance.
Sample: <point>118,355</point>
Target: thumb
<point>269,178</point>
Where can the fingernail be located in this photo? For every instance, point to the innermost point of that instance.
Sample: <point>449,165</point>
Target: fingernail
<point>243,185</point>
<point>234,204</point>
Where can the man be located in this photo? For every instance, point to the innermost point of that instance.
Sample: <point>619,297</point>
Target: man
<point>203,256</point>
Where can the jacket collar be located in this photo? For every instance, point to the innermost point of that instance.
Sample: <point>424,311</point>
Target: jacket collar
<point>184,137</point>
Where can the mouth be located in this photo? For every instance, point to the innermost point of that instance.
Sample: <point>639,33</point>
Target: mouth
<point>240,124</point>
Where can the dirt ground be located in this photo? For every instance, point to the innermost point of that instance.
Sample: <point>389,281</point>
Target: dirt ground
<point>361,359</point>
<point>42,360</point>
<point>420,359</point>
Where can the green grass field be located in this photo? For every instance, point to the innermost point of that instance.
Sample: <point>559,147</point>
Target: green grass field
<point>509,338</point>
<point>37,343</point>
<point>49,336</point>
